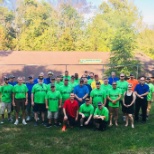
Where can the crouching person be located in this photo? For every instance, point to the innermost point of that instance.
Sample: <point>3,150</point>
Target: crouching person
<point>86,112</point>
<point>101,117</point>
<point>70,110</point>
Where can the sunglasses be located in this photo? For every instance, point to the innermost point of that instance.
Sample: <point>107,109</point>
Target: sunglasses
<point>122,76</point>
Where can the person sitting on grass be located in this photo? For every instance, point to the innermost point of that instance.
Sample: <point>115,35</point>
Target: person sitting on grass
<point>53,101</point>
<point>86,113</point>
<point>101,117</point>
<point>70,110</point>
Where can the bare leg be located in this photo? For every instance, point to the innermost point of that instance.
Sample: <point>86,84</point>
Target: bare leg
<point>126,120</point>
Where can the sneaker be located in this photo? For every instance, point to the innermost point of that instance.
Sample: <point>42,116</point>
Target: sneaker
<point>48,126</point>
<point>35,123</point>
<point>16,122</point>
<point>132,125</point>
<point>43,123</point>
<point>28,118</point>
<point>2,122</point>
<point>63,128</point>
<point>24,122</point>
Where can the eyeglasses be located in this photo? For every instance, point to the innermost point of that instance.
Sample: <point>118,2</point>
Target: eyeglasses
<point>114,84</point>
<point>122,76</point>
<point>52,87</point>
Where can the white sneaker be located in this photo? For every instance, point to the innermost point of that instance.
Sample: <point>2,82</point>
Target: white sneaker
<point>16,122</point>
<point>24,122</point>
<point>28,118</point>
<point>2,122</point>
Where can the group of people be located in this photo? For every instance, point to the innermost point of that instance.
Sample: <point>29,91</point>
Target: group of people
<point>69,100</point>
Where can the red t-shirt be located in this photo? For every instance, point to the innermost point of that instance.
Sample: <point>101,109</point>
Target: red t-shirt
<point>71,108</point>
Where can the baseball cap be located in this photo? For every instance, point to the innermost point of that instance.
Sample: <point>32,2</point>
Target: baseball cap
<point>11,76</point>
<point>99,104</point>
<point>30,77</point>
<point>87,99</point>
<point>131,74</point>
<point>98,83</point>
<point>66,79</point>
<point>147,78</point>
<point>6,78</point>
<point>81,80</point>
<point>53,78</point>
<point>52,85</point>
<point>50,73</point>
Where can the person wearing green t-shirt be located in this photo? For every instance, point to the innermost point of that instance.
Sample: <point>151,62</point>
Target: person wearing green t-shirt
<point>65,91</point>
<point>66,76</point>
<point>20,99</point>
<point>106,87</point>
<point>76,78</point>
<point>91,78</point>
<point>72,82</point>
<point>150,96</point>
<point>52,81</point>
<point>114,95</point>
<point>39,91</point>
<point>123,86</point>
<point>98,95</point>
<point>6,98</point>
<point>58,83</point>
<point>101,117</point>
<point>86,112</point>
<point>53,101</point>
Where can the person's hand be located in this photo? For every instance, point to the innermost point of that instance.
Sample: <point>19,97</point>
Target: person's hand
<point>26,102</point>
<point>142,97</point>
<point>83,116</point>
<point>86,122</point>
<point>80,99</point>
<point>47,106</point>
<point>114,102</point>
<point>102,117</point>
<point>59,106</point>
<point>65,117</point>
<point>76,118</point>
<point>32,103</point>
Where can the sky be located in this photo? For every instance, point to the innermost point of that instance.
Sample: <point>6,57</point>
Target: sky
<point>145,7</point>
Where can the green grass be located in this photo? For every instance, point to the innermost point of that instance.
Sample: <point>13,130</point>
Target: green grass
<point>117,140</point>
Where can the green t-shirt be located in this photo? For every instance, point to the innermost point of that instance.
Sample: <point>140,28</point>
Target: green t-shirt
<point>58,85</point>
<point>123,85</point>
<point>53,100</point>
<point>114,94</point>
<point>73,84</point>
<point>90,81</point>
<point>6,93</point>
<point>65,92</point>
<point>20,91</point>
<point>39,91</point>
<point>67,77</point>
<point>106,88</point>
<point>77,81</point>
<point>98,95</point>
<point>87,110</point>
<point>103,112</point>
<point>151,91</point>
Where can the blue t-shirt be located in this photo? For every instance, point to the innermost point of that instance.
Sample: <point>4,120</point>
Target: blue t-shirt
<point>13,83</point>
<point>48,80</point>
<point>111,80</point>
<point>29,86</point>
<point>81,91</point>
<point>36,81</point>
<point>89,88</point>
<point>141,89</point>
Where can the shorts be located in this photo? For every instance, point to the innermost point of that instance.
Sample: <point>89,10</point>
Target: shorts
<point>71,120</point>
<point>5,106</point>
<point>52,115</point>
<point>39,107</point>
<point>113,111</point>
<point>20,104</point>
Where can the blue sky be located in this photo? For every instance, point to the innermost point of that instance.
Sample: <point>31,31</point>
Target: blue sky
<point>145,7</point>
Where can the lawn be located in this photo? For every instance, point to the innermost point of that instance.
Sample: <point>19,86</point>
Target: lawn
<point>116,140</point>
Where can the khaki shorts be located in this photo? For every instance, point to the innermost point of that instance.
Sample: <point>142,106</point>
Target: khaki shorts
<point>52,115</point>
<point>5,106</point>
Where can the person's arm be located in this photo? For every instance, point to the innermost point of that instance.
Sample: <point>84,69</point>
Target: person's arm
<point>46,103</point>
<point>26,98</point>
<point>138,95</point>
<point>13,103</point>
<point>77,113</point>
<point>89,118</point>
<point>109,99</point>
<point>65,115</point>
<point>144,94</point>
<point>32,99</point>
<point>123,100</point>
<point>85,96</point>
<point>60,103</point>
